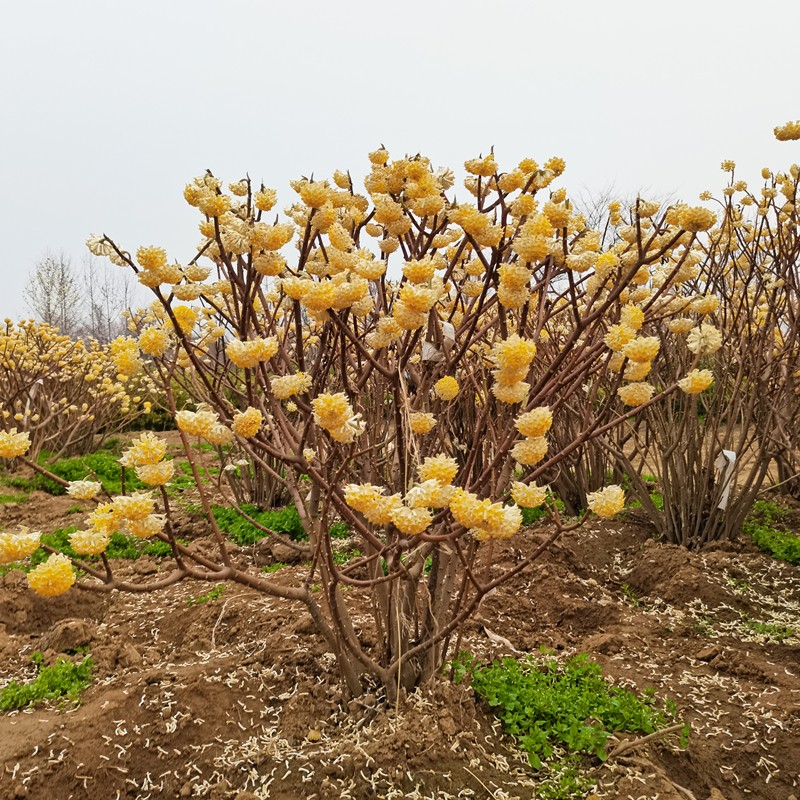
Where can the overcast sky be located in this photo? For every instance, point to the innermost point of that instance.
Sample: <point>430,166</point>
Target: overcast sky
<point>107,109</point>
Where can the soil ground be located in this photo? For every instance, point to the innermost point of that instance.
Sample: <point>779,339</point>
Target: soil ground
<point>237,697</point>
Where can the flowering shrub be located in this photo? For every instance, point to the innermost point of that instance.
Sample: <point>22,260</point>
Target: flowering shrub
<point>396,360</point>
<point>63,392</point>
<point>713,443</point>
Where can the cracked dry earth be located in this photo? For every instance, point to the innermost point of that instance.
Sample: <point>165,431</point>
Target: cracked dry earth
<point>237,698</point>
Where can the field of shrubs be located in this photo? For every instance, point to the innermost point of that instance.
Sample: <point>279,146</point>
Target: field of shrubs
<point>420,489</point>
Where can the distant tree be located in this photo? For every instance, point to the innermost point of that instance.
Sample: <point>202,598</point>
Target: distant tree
<point>106,295</point>
<point>88,302</point>
<point>53,293</point>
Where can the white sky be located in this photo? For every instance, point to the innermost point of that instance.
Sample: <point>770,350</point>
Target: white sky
<point>107,109</point>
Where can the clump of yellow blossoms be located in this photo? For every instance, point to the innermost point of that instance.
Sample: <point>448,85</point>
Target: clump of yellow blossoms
<point>147,449</point>
<point>421,422</point>
<point>83,490</point>
<point>411,521</point>
<point>251,353</point>
<point>289,385</point>
<point>698,380</point>
<point>247,423</point>
<point>125,355</point>
<point>788,131</point>
<point>607,502</point>
<point>704,340</point>
<point>154,341</point>
<point>52,577</point>
<point>146,527</point>
<point>512,357</point>
<point>535,423</point>
<point>14,546</point>
<point>370,500</point>
<point>618,336</point>
<point>527,496</point>
<point>642,348</point>
<point>695,218</point>
<point>446,388</point>
<point>89,543</point>
<point>13,444</point>
<point>156,474</point>
<point>440,468</point>
<point>136,506</point>
<point>197,423</point>
<point>634,394</point>
<point>334,413</point>
<point>483,518</point>
<point>530,451</point>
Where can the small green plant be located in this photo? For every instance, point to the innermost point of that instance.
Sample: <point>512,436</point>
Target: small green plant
<point>103,466</point>
<point>340,530</point>
<point>283,520</point>
<point>762,527</point>
<point>213,594</point>
<point>769,630</point>
<point>278,565</point>
<point>62,680</point>
<point>547,704</point>
<point>739,585</point>
<point>703,626</point>
<point>343,556</point>
<point>631,596</point>
<point>9,499</point>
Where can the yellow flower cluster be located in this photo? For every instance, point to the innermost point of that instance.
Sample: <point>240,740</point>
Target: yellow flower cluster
<point>483,518</point>
<point>134,512</point>
<point>89,542</point>
<point>370,501</point>
<point>203,423</point>
<point>146,527</point>
<point>607,502</point>
<point>134,506</point>
<point>125,355</point>
<point>704,340</point>
<point>147,449</point>
<point>14,546</point>
<point>247,423</point>
<point>334,413</point>
<point>13,444</point>
<point>252,352</point>
<point>642,349</point>
<point>186,317</point>
<point>535,423</point>
<point>440,468</point>
<point>446,388</point>
<point>695,218</point>
<point>530,451</point>
<point>788,131</point>
<point>52,577</point>
<point>698,380</point>
<point>288,385</point>
<point>156,474</point>
<point>154,341</point>
<point>512,357</point>
<point>421,422</point>
<point>527,496</point>
<point>634,394</point>
<point>83,490</point>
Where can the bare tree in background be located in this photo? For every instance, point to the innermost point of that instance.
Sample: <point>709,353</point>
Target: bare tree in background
<point>81,303</point>
<point>53,293</point>
<point>106,295</point>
